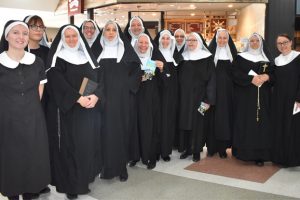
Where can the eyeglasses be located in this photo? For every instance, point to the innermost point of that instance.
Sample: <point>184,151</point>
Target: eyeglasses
<point>282,43</point>
<point>36,28</point>
<point>191,40</point>
<point>89,28</point>
<point>179,36</point>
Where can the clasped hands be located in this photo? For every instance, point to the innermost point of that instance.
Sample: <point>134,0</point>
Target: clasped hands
<point>258,80</point>
<point>88,101</point>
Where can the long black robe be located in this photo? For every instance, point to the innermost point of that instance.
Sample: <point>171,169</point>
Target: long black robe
<point>220,116</point>
<point>121,80</point>
<point>169,105</point>
<point>76,140</point>
<point>24,154</point>
<point>251,138</point>
<point>149,112</point>
<point>286,138</point>
<point>196,85</point>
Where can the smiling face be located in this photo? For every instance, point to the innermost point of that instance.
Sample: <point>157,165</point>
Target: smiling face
<point>254,42</point>
<point>165,41</point>
<point>192,42</point>
<point>110,32</point>
<point>222,39</point>
<point>136,27</point>
<point>143,44</point>
<point>179,37</point>
<point>71,37</point>
<point>284,45</point>
<point>88,30</point>
<point>18,37</point>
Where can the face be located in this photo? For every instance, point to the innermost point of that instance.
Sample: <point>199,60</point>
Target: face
<point>179,36</point>
<point>110,32</point>
<point>71,37</point>
<point>165,40</point>
<point>136,27</point>
<point>18,37</point>
<point>88,30</point>
<point>192,42</point>
<point>284,45</point>
<point>143,44</point>
<point>254,42</point>
<point>36,30</point>
<point>222,39</point>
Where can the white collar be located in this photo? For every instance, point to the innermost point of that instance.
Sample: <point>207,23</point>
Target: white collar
<point>284,60</point>
<point>6,61</point>
<point>254,58</point>
<point>223,53</point>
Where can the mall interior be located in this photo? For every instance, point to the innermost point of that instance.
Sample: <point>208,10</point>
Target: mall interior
<point>211,177</point>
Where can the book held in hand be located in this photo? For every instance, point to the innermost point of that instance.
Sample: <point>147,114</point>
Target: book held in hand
<point>87,87</point>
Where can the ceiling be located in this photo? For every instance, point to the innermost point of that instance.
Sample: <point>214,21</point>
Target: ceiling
<point>40,5</point>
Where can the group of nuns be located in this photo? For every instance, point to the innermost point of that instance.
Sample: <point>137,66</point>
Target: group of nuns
<point>151,96</point>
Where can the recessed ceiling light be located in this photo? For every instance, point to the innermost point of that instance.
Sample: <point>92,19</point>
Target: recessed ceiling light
<point>230,6</point>
<point>153,14</point>
<point>192,14</point>
<point>172,5</point>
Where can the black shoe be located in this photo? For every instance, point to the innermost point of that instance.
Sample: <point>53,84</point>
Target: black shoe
<point>45,190</point>
<point>29,196</point>
<point>13,197</point>
<point>72,196</point>
<point>166,159</point>
<point>123,178</point>
<point>196,157</point>
<point>132,163</point>
<point>151,165</point>
<point>157,157</point>
<point>223,154</point>
<point>209,154</point>
<point>184,155</point>
<point>259,163</point>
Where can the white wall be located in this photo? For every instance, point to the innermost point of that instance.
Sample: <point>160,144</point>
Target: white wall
<point>251,19</point>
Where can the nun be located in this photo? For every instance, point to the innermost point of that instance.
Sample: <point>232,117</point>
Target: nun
<point>24,157</point>
<point>38,41</point>
<point>286,105</point>
<point>122,75</point>
<point>180,38</point>
<point>75,123</point>
<point>252,92</point>
<point>91,33</point>
<point>149,111</point>
<point>197,90</point>
<point>221,114</point>
<point>134,28</point>
<point>39,46</point>
<point>168,92</point>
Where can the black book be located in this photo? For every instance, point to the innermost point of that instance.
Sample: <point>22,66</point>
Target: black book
<point>87,87</point>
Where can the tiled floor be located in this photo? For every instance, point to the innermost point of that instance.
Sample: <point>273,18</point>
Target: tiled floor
<point>284,182</point>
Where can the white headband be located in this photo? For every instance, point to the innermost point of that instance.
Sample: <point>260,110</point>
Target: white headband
<point>9,27</point>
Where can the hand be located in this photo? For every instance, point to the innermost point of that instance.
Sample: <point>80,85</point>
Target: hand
<point>207,106</point>
<point>83,101</point>
<point>257,81</point>
<point>159,65</point>
<point>93,99</point>
<point>264,77</point>
<point>297,105</point>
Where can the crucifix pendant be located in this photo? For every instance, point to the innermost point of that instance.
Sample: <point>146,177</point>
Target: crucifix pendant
<point>265,66</point>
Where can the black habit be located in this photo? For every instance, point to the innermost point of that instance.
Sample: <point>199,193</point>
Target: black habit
<point>286,138</point>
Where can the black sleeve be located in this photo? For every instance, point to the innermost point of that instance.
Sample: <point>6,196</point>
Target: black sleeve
<point>135,76</point>
<point>238,76</point>
<point>64,94</point>
<point>42,72</point>
<point>211,83</point>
